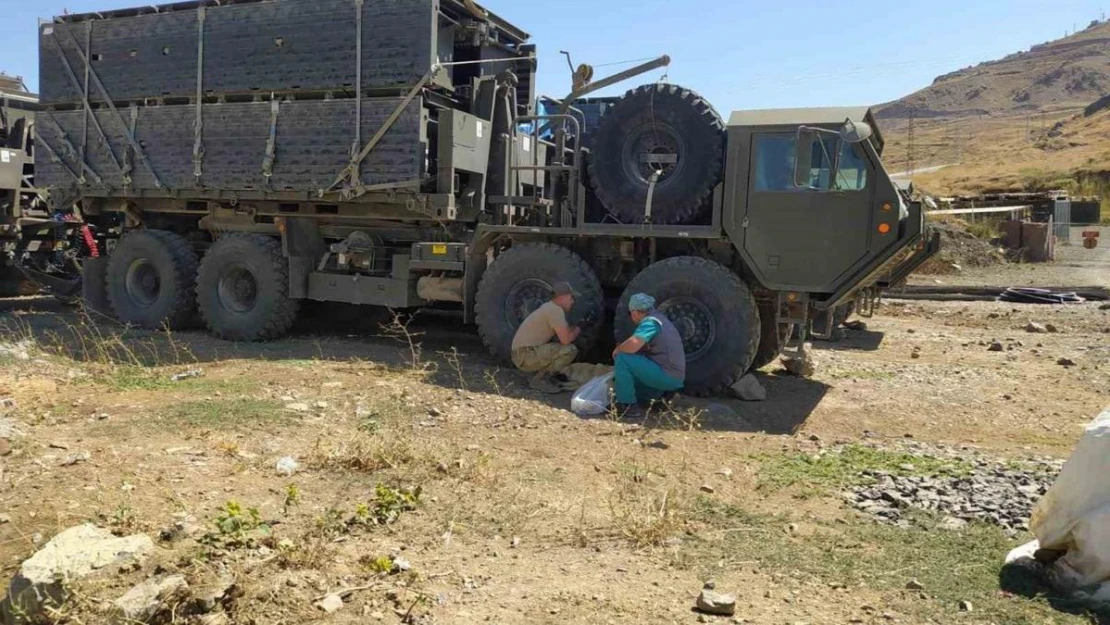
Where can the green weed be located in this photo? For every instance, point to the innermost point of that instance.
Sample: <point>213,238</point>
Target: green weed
<point>235,526</point>
<point>292,498</point>
<point>953,566</point>
<point>390,503</point>
<point>382,565</point>
<point>846,467</point>
<point>226,413</point>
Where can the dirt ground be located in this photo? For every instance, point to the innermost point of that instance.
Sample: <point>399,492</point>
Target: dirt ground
<point>504,506</point>
<point>1075,266</point>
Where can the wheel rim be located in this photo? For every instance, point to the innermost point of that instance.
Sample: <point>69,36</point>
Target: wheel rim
<point>694,322</point>
<point>237,289</point>
<point>524,298</point>
<point>143,283</point>
<point>653,147</point>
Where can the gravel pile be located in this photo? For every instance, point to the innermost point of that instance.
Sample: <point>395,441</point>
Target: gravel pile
<point>989,493</point>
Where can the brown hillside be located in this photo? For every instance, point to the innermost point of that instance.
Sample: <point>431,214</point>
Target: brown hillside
<point>1067,73</point>
<point>1031,119</point>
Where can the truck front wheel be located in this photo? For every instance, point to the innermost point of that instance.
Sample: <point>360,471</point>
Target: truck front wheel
<point>243,289</point>
<point>520,281</point>
<point>714,311</point>
<point>150,279</point>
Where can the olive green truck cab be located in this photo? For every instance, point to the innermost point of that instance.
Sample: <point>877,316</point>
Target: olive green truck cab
<point>239,177</point>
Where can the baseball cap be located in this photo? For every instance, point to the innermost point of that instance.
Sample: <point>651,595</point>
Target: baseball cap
<point>563,288</point>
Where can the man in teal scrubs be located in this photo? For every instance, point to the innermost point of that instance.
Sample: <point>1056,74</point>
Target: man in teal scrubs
<point>651,362</point>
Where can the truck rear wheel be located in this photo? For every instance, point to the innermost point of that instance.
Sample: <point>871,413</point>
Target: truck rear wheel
<point>243,289</point>
<point>658,128</point>
<point>520,281</point>
<point>773,337</point>
<point>150,280</point>
<point>714,312</point>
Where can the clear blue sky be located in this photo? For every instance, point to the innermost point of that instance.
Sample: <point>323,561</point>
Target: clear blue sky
<point>738,53</point>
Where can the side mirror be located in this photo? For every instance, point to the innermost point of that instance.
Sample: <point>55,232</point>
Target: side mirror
<point>856,132</point>
<point>803,156</point>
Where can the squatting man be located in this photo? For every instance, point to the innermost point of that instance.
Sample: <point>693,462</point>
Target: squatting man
<point>648,366</point>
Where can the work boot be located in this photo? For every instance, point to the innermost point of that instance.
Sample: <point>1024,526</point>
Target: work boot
<point>564,382</point>
<point>543,383</point>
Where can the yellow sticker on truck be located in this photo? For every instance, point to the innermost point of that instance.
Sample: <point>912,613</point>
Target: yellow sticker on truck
<point>439,250</point>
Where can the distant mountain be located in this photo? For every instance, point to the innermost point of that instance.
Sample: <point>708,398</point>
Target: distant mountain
<point>1066,73</point>
<point>1034,118</point>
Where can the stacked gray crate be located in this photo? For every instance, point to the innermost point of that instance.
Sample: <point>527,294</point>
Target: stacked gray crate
<point>280,49</point>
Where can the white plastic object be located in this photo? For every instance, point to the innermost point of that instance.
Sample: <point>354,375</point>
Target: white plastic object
<point>593,398</point>
<point>287,466</point>
<point>1074,516</point>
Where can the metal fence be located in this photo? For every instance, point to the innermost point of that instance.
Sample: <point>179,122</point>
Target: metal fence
<point>1062,219</point>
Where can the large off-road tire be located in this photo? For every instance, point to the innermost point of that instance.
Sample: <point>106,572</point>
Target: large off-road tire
<point>150,279</point>
<point>714,311</point>
<point>243,289</point>
<point>664,120</point>
<point>13,283</point>
<point>519,281</point>
<point>772,339</point>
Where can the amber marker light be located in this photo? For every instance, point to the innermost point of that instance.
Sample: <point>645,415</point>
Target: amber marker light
<point>884,228</point>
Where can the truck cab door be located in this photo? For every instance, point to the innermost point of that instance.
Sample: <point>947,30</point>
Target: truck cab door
<point>806,238</point>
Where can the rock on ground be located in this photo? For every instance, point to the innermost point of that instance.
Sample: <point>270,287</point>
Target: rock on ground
<point>147,599</point>
<point>801,363</point>
<point>749,389</point>
<point>211,596</point>
<point>715,603</point>
<point>74,554</point>
<point>989,493</point>
<point>330,604</point>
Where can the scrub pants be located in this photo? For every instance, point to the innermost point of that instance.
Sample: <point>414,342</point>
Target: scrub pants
<point>639,379</point>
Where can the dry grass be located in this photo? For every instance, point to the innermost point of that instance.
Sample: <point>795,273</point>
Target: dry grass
<point>515,492</point>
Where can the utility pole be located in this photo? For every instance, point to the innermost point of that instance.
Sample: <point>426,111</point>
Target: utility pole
<point>910,140</point>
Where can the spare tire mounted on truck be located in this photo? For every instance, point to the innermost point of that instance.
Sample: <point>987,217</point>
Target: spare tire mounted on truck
<point>664,132</point>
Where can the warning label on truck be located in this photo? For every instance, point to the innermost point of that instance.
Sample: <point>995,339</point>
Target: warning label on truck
<point>5,156</point>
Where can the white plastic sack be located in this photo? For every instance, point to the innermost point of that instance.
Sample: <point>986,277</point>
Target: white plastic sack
<point>593,398</point>
<point>1074,516</point>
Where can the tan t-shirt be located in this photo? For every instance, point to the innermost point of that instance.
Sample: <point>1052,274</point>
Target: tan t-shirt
<point>539,328</point>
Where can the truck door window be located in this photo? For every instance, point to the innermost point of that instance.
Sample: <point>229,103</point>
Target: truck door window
<point>820,166</point>
<point>851,175</point>
<point>775,163</point>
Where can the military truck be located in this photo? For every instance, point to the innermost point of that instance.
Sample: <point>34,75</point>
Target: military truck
<point>17,193</point>
<point>40,250</point>
<point>238,159</point>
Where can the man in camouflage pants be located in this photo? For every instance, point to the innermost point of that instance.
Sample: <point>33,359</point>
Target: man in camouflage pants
<point>544,343</point>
